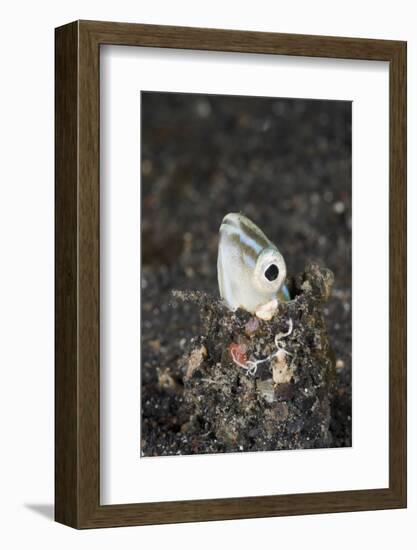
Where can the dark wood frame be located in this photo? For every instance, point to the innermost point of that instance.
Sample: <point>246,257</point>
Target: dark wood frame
<point>77,274</point>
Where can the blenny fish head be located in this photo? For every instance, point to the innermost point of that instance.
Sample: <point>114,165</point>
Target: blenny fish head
<point>250,269</point>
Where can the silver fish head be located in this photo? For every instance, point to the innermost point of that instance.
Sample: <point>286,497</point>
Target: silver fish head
<point>250,270</point>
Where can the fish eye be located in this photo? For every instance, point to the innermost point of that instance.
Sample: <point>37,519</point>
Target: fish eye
<point>271,273</point>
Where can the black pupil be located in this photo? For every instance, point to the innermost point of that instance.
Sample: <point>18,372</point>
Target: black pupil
<point>272,272</point>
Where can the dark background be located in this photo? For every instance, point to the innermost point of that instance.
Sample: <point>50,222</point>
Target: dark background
<point>284,163</point>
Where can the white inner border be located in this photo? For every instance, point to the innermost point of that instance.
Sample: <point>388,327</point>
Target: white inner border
<point>125,71</point>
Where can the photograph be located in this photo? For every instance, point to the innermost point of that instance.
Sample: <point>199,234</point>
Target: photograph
<point>246,274</point>
<point>207,238</point>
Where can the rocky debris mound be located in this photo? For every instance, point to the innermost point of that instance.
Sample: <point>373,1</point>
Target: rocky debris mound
<point>253,385</point>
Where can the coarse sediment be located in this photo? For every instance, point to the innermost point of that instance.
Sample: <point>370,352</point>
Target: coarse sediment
<point>250,386</point>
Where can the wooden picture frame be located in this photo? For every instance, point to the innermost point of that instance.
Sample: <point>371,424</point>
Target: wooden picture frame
<point>77,382</point>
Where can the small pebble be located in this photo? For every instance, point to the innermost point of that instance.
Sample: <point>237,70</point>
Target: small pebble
<point>155,345</point>
<point>165,379</point>
<point>281,373</point>
<point>339,207</point>
<point>252,326</point>
<point>196,358</point>
<point>203,108</point>
<point>147,167</point>
<point>340,364</point>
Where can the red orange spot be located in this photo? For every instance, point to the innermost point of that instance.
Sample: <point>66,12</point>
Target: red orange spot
<point>238,353</point>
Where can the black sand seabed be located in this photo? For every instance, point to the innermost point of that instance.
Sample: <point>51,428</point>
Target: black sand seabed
<point>285,164</point>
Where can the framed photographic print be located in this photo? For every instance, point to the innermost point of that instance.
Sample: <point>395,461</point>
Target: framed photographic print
<point>230,274</point>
